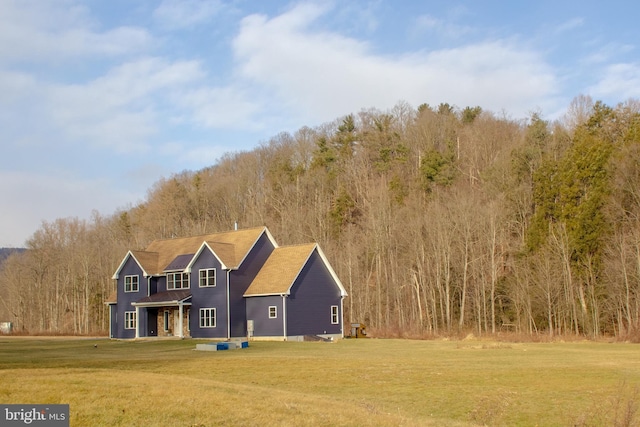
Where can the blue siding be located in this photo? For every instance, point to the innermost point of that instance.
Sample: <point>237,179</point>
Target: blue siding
<point>125,299</point>
<point>258,311</point>
<point>209,297</point>
<point>310,300</point>
<point>114,315</point>
<point>241,279</point>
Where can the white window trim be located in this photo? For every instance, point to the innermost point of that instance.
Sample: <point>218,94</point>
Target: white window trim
<point>206,278</point>
<point>166,320</point>
<point>137,283</point>
<point>130,320</point>
<point>335,315</point>
<point>275,312</point>
<point>182,281</point>
<point>204,311</point>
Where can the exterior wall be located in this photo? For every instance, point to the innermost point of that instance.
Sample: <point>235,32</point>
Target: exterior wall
<point>241,279</point>
<point>209,297</point>
<point>126,298</point>
<point>158,284</point>
<point>113,315</point>
<point>258,311</point>
<point>310,300</point>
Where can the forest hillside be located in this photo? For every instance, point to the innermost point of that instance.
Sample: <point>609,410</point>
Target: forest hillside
<point>438,220</point>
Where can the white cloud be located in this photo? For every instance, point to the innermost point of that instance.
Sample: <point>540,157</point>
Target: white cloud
<point>605,53</point>
<point>39,31</point>
<point>441,28</point>
<point>619,82</point>
<point>177,14</point>
<point>227,107</point>
<point>321,75</point>
<point>45,197</point>
<point>120,109</point>
<point>193,155</point>
<point>569,25</point>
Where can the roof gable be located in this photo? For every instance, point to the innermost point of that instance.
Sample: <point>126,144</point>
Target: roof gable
<point>148,262</point>
<point>283,267</point>
<point>280,271</point>
<point>231,248</point>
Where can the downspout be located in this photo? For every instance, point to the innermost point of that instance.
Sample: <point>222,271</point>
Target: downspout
<point>341,316</point>
<point>111,310</point>
<point>284,317</point>
<point>228,307</point>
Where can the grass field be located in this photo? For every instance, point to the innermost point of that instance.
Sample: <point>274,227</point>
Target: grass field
<point>350,382</point>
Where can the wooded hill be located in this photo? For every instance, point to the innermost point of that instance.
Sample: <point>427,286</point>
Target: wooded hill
<point>437,221</point>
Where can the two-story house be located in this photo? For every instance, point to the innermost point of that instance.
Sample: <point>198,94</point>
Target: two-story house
<point>226,285</point>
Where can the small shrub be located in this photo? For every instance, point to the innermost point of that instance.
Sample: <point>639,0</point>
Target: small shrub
<point>620,410</point>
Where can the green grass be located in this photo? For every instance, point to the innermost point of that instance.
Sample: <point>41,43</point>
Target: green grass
<point>351,382</point>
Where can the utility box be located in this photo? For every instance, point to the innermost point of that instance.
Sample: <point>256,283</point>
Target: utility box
<point>249,328</point>
<point>358,330</point>
<point>6,328</point>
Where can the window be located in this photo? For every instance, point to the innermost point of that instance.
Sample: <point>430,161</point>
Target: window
<point>273,312</point>
<point>166,321</point>
<point>177,281</point>
<point>334,315</point>
<point>207,277</point>
<point>131,284</point>
<point>207,317</point>
<point>129,319</point>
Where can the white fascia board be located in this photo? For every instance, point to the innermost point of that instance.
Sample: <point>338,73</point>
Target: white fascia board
<point>343,291</point>
<point>197,254</point>
<point>269,236</point>
<point>315,246</point>
<point>161,303</point>
<point>274,294</point>
<point>116,275</point>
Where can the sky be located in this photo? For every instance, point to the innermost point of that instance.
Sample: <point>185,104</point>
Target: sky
<point>101,99</point>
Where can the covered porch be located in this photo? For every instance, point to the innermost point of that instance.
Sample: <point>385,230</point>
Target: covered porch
<point>163,314</point>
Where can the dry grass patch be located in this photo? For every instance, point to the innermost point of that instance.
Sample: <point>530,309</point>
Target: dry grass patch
<point>351,382</point>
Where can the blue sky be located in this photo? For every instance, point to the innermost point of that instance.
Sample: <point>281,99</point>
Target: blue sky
<point>100,99</point>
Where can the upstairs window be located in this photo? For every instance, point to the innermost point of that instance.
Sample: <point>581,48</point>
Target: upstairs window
<point>177,281</point>
<point>131,284</point>
<point>207,278</point>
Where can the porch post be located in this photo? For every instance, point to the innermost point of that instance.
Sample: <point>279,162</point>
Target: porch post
<point>180,316</point>
<point>137,322</point>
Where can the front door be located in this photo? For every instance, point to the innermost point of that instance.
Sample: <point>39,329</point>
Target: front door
<point>176,323</point>
<point>152,322</point>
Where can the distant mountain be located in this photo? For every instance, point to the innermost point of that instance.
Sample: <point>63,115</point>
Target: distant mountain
<point>5,252</point>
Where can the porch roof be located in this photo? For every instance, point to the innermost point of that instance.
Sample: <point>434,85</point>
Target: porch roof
<point>177,297</point>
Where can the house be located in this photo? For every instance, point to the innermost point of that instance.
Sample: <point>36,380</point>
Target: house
<point>226,285</point>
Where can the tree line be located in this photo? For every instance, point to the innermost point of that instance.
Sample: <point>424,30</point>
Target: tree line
<point>438,220</point>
